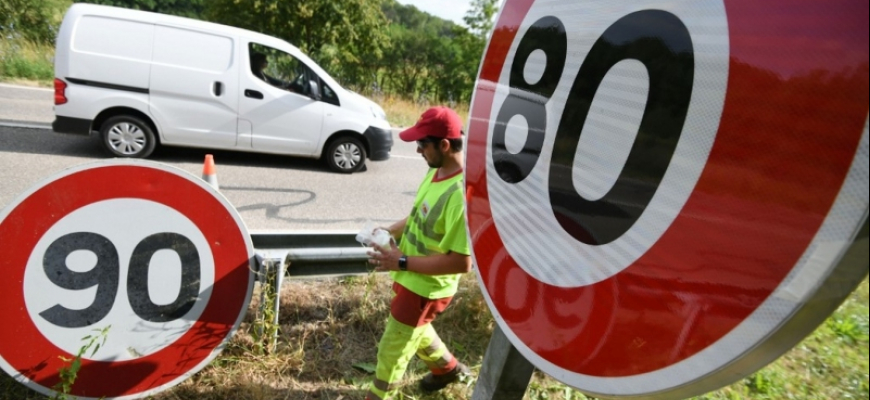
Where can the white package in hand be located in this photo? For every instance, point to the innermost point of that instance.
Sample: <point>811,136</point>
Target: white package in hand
<point>382,238</point>
<point>365,234</point>
<point>369,235</point>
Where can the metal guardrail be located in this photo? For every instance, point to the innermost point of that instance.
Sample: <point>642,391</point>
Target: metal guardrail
<point>313,254</point>
<point>307,255</point>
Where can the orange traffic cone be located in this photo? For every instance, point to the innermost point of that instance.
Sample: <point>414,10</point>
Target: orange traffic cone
<point>208,174</point>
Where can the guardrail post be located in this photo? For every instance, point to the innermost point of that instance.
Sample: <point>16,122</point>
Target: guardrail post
<point>263,267</point>
<point>279,280</point>
<point>505,374</point>
<point>270,274</point>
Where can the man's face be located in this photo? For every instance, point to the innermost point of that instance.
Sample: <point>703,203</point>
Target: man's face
<point>431,152</point>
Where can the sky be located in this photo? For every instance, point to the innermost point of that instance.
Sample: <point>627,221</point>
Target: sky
<point>452,10</point>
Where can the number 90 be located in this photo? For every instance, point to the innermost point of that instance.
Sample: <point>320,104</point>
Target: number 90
<point>105,275</point>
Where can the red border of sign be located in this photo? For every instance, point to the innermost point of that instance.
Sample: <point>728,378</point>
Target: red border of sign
<point>750,217</point>
<point>25,348</point>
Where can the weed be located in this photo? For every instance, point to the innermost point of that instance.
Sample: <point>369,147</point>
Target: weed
<point>69,372</point>
<point>851,328</point>
<point>266,326</point>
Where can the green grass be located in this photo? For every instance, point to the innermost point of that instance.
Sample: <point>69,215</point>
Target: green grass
<point>25,62</point>
<point>831,363</point>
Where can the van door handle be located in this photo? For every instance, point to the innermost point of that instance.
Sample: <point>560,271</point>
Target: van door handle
<point>253,94</point>
<point>217,89</point>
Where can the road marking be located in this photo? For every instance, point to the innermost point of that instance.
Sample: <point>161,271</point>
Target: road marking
<point>407,157</point>
<point>6,85</point>
<point>25,125</point>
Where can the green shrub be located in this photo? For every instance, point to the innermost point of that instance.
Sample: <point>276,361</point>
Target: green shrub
<point>26,60</point>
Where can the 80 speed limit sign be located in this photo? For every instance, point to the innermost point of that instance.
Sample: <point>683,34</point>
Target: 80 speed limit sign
<point>664,196</point>
<point>146,250</point>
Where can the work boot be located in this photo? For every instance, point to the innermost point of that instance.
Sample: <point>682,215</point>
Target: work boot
<point>431,382</point>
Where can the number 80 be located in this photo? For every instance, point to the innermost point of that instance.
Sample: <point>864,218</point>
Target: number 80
<point>661,42</point>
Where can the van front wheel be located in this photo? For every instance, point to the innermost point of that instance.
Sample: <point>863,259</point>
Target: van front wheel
<point>346,155</point>
<point>127,136</point>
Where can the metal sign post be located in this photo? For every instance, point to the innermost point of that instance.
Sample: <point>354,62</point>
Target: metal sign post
<point>505,373</point>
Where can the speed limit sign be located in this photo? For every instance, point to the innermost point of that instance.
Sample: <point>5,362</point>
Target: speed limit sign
<point>149,252</point>
<point>665,196</point>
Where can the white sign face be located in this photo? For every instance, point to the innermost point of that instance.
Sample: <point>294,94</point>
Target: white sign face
<point>610,129</point>
<point>168,286</point>
<point>653,212</point>
<point>148,251</point>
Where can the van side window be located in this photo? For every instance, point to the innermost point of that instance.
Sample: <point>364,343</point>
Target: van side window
<point>278,69</point>
<point>328,95</point>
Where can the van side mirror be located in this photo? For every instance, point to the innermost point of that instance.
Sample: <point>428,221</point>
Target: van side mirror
<point>313,90</point>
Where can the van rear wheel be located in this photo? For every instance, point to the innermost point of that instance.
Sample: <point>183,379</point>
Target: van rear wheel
<point>346,155</point>
<point>128,136</point>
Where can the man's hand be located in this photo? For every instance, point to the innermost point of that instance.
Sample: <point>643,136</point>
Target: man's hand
<point>385,259</point>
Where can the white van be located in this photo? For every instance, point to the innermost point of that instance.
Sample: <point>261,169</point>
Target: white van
<point>144,79</point>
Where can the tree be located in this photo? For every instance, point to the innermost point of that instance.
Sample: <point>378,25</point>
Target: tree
<point>454,76</point>
<point>184,8</point>
<point>35,20</point>
<point>334,33</point>
<point>479,17</point>
<point>430,56</point>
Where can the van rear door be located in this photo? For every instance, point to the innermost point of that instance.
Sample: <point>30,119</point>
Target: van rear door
<point>194,87</point>
<point>103,51</point>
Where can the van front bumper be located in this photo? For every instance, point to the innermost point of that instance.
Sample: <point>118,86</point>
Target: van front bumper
<point>76,126</point>
<point>380,143</point>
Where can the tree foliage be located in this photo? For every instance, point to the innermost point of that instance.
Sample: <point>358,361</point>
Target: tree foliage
<point>369,45</point>
<point>341,36</point>
<point>35,20</point>
<point>379,46</point>
<point>480,17</point>
<point>431,58</point>
<point>184,8</point>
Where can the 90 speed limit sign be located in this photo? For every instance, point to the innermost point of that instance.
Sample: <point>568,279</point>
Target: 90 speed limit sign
<point>663,197</point>
<point>146,250</point>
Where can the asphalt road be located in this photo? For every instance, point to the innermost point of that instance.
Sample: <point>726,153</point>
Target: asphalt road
<point>271,193</point>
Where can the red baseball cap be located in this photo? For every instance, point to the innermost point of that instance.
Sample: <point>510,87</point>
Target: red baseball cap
<point>440,122</point>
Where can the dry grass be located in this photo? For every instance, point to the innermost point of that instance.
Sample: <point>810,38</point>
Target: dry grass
<point>329,331</point>
<point>402,112</point>
<point>327,346</point>
<point>328,338</point>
